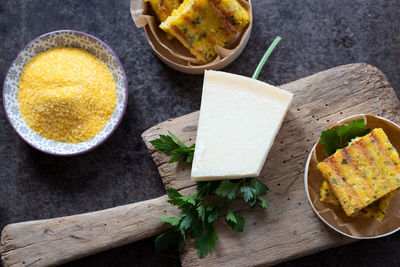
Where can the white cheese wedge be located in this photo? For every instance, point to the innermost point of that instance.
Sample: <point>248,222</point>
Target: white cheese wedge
<point>239,119</point>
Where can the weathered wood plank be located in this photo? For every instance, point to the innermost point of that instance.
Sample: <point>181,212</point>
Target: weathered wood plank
<point>286,230</point>
<point>56,241</point>
<point>289,228</point>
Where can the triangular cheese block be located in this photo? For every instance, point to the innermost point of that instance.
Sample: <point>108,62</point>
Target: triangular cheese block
<point>239,119</point>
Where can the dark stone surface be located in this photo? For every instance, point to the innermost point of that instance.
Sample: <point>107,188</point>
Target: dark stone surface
<point>317,35</point>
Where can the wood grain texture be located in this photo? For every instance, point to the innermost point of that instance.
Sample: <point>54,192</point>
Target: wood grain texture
<point>56,241</point>
<point>289,228</point>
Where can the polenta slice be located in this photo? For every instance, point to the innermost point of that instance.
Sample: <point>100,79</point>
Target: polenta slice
<point>164,8</point>
<point>327,195</point>
<point>201,24</point>
<point>378,209</point>
<point>375,211</point>
<point>363,172</point>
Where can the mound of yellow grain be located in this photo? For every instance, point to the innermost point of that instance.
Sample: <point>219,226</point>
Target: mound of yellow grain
<point>66,94</point>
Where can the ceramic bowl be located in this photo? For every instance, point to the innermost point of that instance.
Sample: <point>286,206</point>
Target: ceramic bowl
<point>51,40</point>
<point>358,227</point>
<point>174,54</point>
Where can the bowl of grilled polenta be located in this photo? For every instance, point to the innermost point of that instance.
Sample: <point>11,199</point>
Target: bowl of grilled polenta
<point>193,35</point>
<point>352,177</point>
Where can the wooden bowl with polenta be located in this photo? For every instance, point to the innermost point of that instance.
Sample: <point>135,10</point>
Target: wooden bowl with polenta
<point>194,35</point>
<point>65,92</point>
<point>352,177</point>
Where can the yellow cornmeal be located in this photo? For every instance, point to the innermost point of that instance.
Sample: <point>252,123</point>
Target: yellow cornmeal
<point>66,94</point>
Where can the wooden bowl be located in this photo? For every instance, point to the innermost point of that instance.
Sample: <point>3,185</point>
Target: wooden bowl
<point>48,41</point>
<point>174,54</point>
<point>359,227</point>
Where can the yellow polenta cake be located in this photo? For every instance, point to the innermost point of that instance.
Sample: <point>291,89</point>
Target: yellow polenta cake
<point>164,8</point>
<point>375,211</point>
<point>327,194</point>
<point>378,209</point>
<point>363,172</point>
<point>201,24</point>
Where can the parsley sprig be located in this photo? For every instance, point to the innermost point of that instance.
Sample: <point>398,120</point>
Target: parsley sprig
<point>336,139</point>
<point>199,214</point>
<point>171,144</point>
<point>200,210</point>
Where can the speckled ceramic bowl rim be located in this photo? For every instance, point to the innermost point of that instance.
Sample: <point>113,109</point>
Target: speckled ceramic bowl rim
<point>124,104</point>
<point>308,194</point>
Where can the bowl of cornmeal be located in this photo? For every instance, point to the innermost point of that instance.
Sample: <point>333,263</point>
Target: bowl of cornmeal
<point>65,93</point>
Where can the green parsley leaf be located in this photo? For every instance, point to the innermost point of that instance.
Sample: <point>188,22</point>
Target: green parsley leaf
<point>252,202</point>
<point>172,144</point>
<point>166,240</point>
<point>175,197</point>
<point>189,200</point>
<point>247,192</point>
<point>197,229</point>
<point>263,202</point>
<point>187,219</point>
<point>176,139</point>
<point>212,215</point>
<point>234,221</point>
<point>227,189</point>
<point>336,139</point>
<point>173,193</point>
<point>206,242</point>
<point>197,217</point>
<point>230,216</point>
<point>190,154</point>
<point>175,157</point>
<point>206,188</point>
<point>354,129</point>
<point>174,221</point>
<point>259,187</point>
<point>202,212</point>
<point>165,144</point>
<point>331,140</point>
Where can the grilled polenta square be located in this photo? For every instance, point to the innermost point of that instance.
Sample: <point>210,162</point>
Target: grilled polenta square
<point>327,195</point>
<point>375,211</point>
<point>164,8</point>
<point>201,24</point>
<point>366,170</point>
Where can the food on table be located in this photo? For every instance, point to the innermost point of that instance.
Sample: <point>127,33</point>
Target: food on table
<point>374,211</point>
<point>365,171</point>
<point>378,209</point>
<point>327,195</point>
<point>239,119</point>
<point>66,94</point>
<point>163,8</point>
<point>201,24</point>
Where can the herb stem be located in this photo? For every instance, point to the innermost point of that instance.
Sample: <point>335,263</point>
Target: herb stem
<point>266,56</point>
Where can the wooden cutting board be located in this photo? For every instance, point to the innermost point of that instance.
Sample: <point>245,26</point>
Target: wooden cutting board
<point>289,228</point>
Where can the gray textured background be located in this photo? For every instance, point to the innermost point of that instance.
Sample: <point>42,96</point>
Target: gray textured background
<point>317,35</point>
